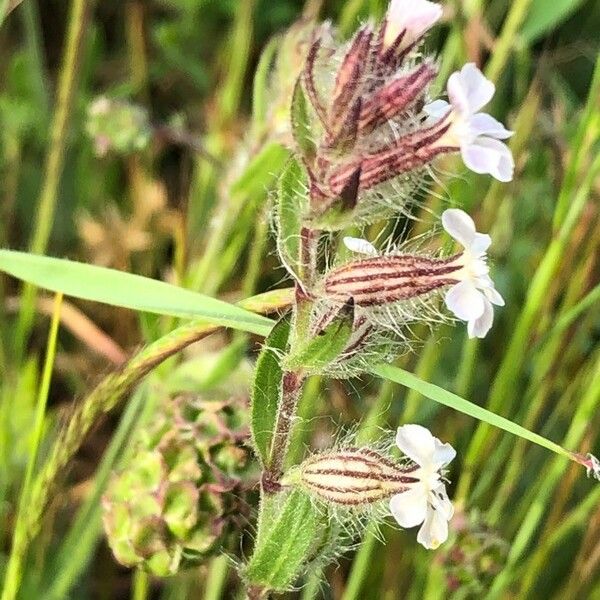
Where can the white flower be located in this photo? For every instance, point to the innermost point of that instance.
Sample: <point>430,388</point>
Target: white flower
<point>360,246</point>
<point>426,501</point>
<point>471,299</point>
<point>410,18</point>
<point>477,134</point>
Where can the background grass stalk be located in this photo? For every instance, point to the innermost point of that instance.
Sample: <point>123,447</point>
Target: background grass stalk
<point>55,158</point>
<point>75,552</point>
<point>504,388</point>
<point>506,42</point>
<point>14,570</point>
<point>580,421</point>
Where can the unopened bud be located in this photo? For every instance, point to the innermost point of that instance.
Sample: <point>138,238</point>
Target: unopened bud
<point>354,477</point>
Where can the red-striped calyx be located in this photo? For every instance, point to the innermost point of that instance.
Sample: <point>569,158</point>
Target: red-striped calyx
<point>354,477</point>
<point>384,280</point>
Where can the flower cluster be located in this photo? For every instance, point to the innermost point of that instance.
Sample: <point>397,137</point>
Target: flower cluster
<point>366,132</point>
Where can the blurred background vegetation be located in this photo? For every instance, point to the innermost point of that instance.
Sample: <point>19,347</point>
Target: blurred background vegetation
<point>134,134</point>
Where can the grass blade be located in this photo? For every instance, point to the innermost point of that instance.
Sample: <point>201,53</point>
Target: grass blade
<point>19,548</point>
<point>118,288</point>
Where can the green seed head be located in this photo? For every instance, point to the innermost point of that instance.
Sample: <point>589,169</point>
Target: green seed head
<point>181,496</point>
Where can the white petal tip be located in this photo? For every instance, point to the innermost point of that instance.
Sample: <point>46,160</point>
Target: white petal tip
<point>360,246</point>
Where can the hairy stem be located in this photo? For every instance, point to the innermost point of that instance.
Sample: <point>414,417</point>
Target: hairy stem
<point>292,387</point>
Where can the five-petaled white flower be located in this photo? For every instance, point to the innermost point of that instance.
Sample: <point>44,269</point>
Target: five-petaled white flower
<point>426,501</point>
<point>471,299</point>
<point>477,134</point>
<point>411,19</point>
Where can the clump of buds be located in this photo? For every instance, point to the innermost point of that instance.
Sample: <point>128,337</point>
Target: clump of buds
<point>182,495</point>
<point>359,478</point>
<point>118,126</point>
<point>365,130</point>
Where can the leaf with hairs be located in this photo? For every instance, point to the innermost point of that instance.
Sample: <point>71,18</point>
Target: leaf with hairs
<point>266,393</point>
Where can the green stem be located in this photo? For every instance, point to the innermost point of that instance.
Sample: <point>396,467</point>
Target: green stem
<point>14,571</point>
<point>591,113</point>
<point>217,578</point>
<point>507,40</point>
<point>55,158</point>
<point>141,585</point>
<point>361,566</point>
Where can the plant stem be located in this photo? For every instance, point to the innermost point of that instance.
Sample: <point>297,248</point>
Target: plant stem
<point>55,159</point>
<point>141,585</point>
<point>216,578</point>
<point>506,42</point>
<point>14,572</point>
<point>292,388</point>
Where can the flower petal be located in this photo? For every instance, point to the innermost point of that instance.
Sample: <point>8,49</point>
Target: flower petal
<point>360,246</point>
<point>480,326</point>
<point>415,17</point>
<point>434,530</point>
<point>443,454</point>
<point>469,90</point>
<point>488,155</point>
<point>493,295</point>
<point>417,443</point>
<point>484,124</point>
<point>481,242</point>
<point>459,225</point>
<point>409,508</point>
<point>439,499</point>
<point>465,301</point>
<point>437,109</point>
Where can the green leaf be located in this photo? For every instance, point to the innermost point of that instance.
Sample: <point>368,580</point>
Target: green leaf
<point>261,85</point>
<point>326,346</point>
<point>118,288</point>
<point>291,206</point>
<point>301,123</point>
<point>288,533</point>
<point>266,392</point>
<point>438,394</point>
<point>543,16</point>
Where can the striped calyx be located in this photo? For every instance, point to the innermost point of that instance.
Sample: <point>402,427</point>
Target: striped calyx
<point>387,279</point>
<point>354,477</point>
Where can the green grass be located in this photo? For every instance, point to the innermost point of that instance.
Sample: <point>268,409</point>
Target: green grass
<point>194,215</point>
